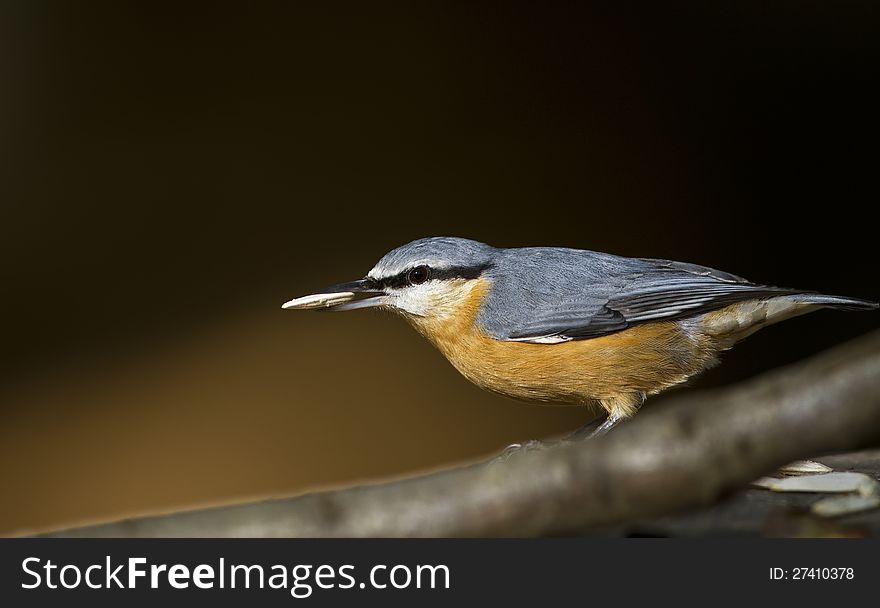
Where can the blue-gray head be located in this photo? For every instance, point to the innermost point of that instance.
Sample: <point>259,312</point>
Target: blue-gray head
<point>427,277</point>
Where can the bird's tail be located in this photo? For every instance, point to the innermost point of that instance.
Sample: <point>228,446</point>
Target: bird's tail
<point>838,302</point>
<point>742,319</point>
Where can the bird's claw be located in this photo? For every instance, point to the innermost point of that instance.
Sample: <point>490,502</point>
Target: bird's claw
<point>531,445</point>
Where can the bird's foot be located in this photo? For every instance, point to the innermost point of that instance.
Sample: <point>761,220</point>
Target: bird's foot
<point>594,428</point>
<point>586,430</point>
<point>531,445</point>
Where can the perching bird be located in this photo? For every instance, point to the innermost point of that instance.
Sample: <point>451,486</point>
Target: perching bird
<point>569,326</point>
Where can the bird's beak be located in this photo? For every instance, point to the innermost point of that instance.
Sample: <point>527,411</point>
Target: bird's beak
<point>345,296</point>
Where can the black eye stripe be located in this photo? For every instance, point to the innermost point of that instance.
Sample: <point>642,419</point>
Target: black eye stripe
<point>396,282</point>
<point>401,279</point>
<point>459,272</point>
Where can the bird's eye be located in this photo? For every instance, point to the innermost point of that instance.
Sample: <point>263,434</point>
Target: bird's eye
<point>418,275</point>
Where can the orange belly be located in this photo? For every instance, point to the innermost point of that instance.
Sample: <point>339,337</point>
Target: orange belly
<point>609,369</point>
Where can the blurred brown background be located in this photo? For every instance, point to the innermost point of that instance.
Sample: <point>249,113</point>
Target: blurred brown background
<point>171,173</point>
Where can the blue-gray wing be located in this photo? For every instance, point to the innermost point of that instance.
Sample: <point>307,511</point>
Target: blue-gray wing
<point>546,295</point>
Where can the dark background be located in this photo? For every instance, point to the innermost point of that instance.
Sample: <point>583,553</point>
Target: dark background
<point>171,173</point>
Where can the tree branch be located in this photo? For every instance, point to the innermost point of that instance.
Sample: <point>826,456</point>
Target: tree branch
<point>697,447</point>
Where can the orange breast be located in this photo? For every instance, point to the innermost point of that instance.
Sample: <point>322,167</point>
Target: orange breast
<point>643,359</point>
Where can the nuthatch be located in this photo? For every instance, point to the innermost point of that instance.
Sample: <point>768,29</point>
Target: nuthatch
<point>569,326</point>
